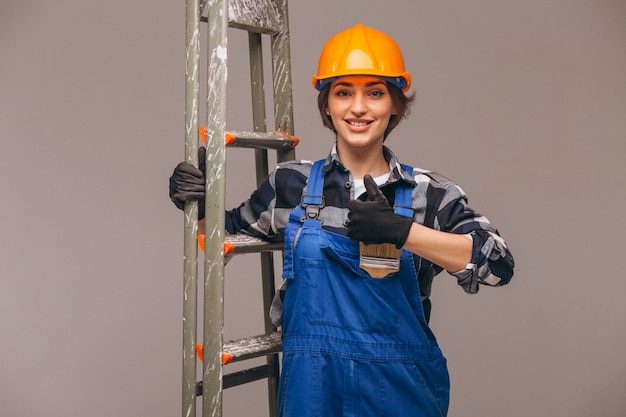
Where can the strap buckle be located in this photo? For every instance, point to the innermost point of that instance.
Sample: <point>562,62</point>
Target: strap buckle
<point>312,205</point>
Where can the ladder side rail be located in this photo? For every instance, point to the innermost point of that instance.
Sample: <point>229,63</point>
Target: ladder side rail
<point>255,49</point>
<point>190,248</point>
<point>283,112</point>
<point>282,80</point>
<point>212,394</point>
<point>261,165</point>
<point>272,360</point>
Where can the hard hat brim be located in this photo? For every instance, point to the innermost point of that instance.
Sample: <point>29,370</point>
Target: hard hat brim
<point>403,81</point>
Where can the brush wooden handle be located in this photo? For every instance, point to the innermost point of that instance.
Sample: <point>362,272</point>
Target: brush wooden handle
<point>378,272</point>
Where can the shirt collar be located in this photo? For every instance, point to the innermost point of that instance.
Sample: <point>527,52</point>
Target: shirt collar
<point>397,171</point>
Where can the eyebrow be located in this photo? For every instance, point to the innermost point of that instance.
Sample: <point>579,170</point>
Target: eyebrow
<point>369,84</point>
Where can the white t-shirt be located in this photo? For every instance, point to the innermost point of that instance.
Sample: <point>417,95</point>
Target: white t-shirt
<point>359,186</point>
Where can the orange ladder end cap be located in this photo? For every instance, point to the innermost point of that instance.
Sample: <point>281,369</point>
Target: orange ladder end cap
<point>226,358</point>
<point>199,352</point>
<point>229,138</point>
<point>203,134</point>
<point>228,248</point>
<point>288,136</point>
<point>201,242</point>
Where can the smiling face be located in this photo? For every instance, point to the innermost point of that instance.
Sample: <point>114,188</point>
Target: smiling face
<point>360,108</point>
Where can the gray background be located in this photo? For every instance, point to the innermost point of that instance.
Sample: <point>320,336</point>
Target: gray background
<point>523,103</point>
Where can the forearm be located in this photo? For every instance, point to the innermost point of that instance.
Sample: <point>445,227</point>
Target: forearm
<point>450,251</point>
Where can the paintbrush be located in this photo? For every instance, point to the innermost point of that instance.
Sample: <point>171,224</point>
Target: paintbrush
<point>379,260</point>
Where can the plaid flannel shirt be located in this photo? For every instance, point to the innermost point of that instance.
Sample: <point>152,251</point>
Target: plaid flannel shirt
<point>438,203</point>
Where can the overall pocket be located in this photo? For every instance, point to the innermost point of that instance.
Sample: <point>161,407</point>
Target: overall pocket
<point>421,388</point>
<point>336,292</point>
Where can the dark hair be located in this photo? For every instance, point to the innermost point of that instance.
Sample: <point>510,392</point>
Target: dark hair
<point>401,102</point>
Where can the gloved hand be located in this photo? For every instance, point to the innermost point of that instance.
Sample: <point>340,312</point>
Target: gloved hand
<point>187,183</point>
<point>373,220</point>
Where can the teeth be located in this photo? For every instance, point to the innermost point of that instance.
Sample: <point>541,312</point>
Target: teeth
<point>358,124</point>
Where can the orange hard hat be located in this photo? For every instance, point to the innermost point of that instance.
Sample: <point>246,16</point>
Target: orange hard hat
<point>361,51</point>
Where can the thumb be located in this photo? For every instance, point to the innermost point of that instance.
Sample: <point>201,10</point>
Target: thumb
<point>202,159</point>
<point>373,192</point>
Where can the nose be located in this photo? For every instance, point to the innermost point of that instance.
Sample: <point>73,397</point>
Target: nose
<point>359,106</point>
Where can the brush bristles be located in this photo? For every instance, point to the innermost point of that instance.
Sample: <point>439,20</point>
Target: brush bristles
<point>379,260</point>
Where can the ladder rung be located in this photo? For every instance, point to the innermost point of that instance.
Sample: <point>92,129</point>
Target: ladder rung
<point>254,346</point>
<point>248,375</point>
<point>254,16</point>
<point>248,348</point>
<point>242,243</point>
<point>241,377</point>
<point>258,140</point>
<point>259,19</point>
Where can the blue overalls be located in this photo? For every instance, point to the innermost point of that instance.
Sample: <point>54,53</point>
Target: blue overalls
<point>353,346</point>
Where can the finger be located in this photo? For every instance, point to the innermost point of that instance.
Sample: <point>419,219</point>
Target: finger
<point>373,192</point>
<point>356,206</point>
<point>185,196</point>
<point>358,211</point>
<point>187,183</point>
<point>188,187</point>
<point>185,169</point>
<point>202,158</point>
<point>183,181</point>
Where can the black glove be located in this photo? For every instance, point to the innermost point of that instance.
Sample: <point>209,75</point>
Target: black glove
<point>187,183</point>
<point>373,220</point>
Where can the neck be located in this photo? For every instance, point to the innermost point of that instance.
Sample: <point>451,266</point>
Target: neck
<point>362,162</point>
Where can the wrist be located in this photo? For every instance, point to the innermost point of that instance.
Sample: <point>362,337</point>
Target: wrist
<point>404,225</point>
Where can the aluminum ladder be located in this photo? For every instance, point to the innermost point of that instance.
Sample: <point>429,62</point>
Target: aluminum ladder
<point>258,18</point>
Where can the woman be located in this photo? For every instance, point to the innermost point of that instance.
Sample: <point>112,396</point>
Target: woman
<point>354,344</point>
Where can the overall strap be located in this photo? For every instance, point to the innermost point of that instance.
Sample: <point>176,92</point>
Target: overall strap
<point>313,197</point>
<point>306,213</point>
<point>403,205</point>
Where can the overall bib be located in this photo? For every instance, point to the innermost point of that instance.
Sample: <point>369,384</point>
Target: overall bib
<point>353,346</point>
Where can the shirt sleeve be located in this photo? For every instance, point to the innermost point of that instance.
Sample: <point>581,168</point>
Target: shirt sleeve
<point>266,213</point>
<point>492,263</point>
<point>253,216</point>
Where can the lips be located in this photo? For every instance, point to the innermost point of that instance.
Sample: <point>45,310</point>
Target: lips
<point>358,123</point>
